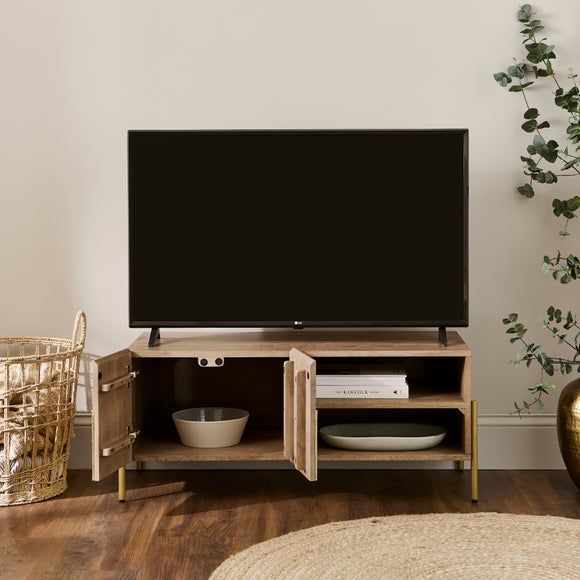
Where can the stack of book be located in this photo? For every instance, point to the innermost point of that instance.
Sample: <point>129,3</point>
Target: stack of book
<point>363,383</point>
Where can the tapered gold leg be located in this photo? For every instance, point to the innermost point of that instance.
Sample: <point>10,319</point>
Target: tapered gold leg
<point>474,453</point>
<point>460,465</point>
<point>122,484</point>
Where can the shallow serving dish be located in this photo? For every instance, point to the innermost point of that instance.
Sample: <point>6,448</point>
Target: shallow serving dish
<point>210,426</point>
<point>383,436</point>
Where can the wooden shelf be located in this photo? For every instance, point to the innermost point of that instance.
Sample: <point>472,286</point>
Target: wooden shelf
<point>443,452</point>
<point>256,445</point>
<point>264,445</point>
<point>314,343</point>
<point>417,400</point>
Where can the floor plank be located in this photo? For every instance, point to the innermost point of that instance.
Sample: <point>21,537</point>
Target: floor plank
<point>182,524</point>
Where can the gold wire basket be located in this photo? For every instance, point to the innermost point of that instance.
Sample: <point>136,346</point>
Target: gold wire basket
<point>38,384</point>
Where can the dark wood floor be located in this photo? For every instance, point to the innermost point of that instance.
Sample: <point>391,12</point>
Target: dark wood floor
<point>183,524</point>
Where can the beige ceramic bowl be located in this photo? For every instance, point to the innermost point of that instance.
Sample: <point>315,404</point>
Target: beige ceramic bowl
<point>210,426</point>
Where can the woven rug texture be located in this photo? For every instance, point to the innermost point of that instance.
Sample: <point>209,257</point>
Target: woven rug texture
<point>481,545</point>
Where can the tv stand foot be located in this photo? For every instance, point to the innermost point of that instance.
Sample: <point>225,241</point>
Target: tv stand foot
<point>442,336</point>
<point>122,484</point>
<point>154,336</point>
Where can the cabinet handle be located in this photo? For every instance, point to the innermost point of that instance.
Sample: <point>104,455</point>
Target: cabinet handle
<point>117,383</point>
<point>121,444</point>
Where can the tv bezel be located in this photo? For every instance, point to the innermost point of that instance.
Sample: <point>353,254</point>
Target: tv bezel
<point>462,322</point>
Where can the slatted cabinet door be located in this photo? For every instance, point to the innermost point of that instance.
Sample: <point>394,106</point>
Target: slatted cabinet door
<point>113,430</point>
<point>300,415</point>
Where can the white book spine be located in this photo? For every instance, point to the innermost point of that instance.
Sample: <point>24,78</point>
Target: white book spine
<point>360,381</point>
<point>360,392</point>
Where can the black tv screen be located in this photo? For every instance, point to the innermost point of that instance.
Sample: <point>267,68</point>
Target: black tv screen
<point>298,228</point>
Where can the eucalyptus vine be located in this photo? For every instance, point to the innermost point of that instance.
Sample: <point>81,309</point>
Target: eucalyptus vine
<point>545,163</point>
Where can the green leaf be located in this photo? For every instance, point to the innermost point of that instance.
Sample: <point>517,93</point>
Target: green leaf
<point>520,88</point>
<point>517,71</point>
<point>502,79</point>
<point>539,51</point>
<point>543,125</point>
<point>558,275</point>
<point>573,203</point>
<point>542,72</point>
<point>531,114</point>
<point>549,151</point>
<point>545,177</point>
<point>567,100</point>
<point>532,150</point>
<point>549,156</point>
<point>524,13</point>
<point>530,126</point>
<point>526,190</point>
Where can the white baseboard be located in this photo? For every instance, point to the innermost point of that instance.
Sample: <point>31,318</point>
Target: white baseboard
<point>505,442</point>
<point>510,442</point>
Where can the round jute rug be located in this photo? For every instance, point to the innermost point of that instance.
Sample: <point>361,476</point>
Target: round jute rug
<point>482,545</point>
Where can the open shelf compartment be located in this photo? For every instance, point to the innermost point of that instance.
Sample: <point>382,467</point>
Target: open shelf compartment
<point>434,383</point>
<point>166,385</point>
<point>455,446</point>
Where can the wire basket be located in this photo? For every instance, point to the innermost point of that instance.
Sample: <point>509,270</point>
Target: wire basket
<point>38,384</point>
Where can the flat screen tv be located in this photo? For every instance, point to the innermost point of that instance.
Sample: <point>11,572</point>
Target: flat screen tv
<point>298,228</point>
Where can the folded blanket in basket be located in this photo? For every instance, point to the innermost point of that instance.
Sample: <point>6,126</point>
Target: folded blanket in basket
<point>24,374</point>
<point>33,412</point>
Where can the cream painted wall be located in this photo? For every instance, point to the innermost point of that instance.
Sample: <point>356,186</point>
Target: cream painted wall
<point>76,75</point>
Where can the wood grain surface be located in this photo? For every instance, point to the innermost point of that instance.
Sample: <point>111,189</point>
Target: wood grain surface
<point>182,524</point>
<point>113,412</point>
<point>313,343</point>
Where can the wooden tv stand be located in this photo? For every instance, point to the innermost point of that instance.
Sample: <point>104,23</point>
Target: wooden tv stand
<point>272,374</point>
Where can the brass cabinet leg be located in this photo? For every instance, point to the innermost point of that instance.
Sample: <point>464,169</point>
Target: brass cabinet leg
<point>122,484</point>
<point>460,465</point>
<point>474,453</point>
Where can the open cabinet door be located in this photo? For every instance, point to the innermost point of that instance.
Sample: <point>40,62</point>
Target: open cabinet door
<point>113,431</point>
<point>300,415</point>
